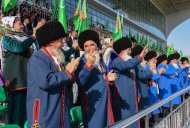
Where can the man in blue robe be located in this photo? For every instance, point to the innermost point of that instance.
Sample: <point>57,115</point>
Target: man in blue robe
<point>150,57</point>
<point>164,83</point>
<point>175,83</point>
<point>124,66</point>
<point>48,84</point>
<point>184,74</point>
<point>142,79</point>
<point>93,80</point>
<point>142,76</point>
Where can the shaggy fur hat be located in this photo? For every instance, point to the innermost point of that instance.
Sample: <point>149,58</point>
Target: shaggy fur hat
<point>161,58</point>
<point>183,59</point>
<point>136,50</point>
<point>172,57</point>
<point>49,32</point>
<point>86,36</point>
<point>151,54</point>
<point>122,44</point>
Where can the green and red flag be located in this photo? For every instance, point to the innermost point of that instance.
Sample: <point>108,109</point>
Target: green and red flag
<point>76,17</point>
<point>62,14</point>
<point>83,24</point>
<point>118,33</point>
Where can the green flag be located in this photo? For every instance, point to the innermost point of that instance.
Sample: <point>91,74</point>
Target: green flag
<point>130,34</point>
<point>62,14</point>
<point>138,38</point>
<point>148,42</point>
<point>154,46</point>
<point>172,49</point>
<point>181,54</point>
<point>8,5</point>
<point>54,9</point>
<point>142,41</point>
<point>168,52</point>
<point>83,25</point>
<point>118,33</point>
<point>106,26</point>
<point>76,17</point>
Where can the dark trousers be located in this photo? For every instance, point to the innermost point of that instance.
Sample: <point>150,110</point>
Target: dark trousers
<point>17,107</point>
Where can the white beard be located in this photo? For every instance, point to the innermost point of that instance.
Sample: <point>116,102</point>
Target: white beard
<point>175,65</point>
<point>126,57</point>
<point>97,61</point>
<point>57,53</point>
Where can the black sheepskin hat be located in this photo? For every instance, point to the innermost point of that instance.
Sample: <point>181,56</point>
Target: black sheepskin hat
<point>161,58</point>
<point>151,54</point>
<point>177,55</point>
<point>49,32</point>
<point>183,59</point>
<point>122,44</point>
<point>136,50</point>
<point>172,57</point>
<point>87,35</point>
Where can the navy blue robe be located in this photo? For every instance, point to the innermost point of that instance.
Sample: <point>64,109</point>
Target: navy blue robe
<point>44,92</point>
<point>142,86</point>
<point>96,105</point>
<point>126,85</point>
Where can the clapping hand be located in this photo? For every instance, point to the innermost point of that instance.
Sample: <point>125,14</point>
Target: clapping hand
<point>161,71</point>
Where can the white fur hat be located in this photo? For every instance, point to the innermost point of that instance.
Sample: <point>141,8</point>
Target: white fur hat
<point>8,21</point>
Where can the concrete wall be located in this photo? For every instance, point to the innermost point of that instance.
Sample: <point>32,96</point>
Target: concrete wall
<point>175,19</point>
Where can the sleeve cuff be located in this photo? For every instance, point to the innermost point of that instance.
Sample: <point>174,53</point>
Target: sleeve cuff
<point>89,68</point>
<point>69,74</point>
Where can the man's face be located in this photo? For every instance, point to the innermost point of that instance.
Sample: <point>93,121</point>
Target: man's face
<point>127,51</point>
<point>90,46</point>
<point>58,43</point>
<point>174,61</point>
<point>74,34</point>
<point>26,21</point>
<point>153,60</point>
<point>185,62</point>
<point>165,62</point>
<point>18,26</point>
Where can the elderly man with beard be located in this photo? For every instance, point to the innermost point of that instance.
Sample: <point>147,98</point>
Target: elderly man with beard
<point>142,79</point>
<point>15,53</point>
<point>126,103</point>
<point>175,81</point>
<point>48,101</point>
<point>93,80</point>
<point>164,83</point>
<point>153,90</point>
<point>184,74</point>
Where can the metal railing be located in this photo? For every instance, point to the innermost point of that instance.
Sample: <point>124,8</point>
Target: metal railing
<point>182,111</point>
